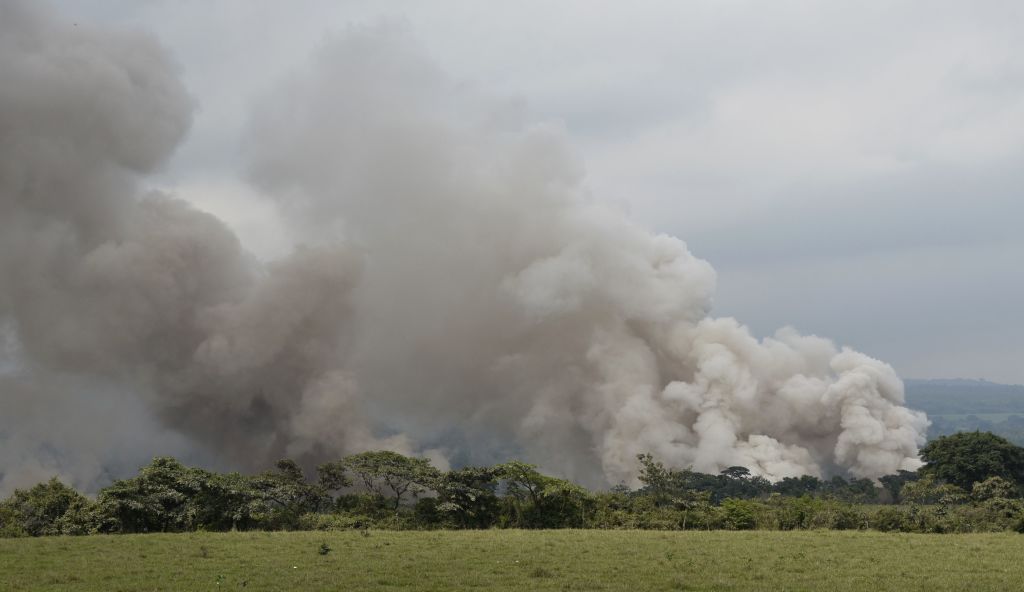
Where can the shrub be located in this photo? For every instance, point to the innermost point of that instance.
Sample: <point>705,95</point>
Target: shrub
<point>848,518</point>
<point>738,514</point>
<point>993,487</point>
<point>341,521</point>
<point>888,519</point>
<point>10,525</point>
<point>50,508</point>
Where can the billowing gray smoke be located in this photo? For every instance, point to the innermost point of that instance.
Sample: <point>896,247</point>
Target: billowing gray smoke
<point>456,294</point>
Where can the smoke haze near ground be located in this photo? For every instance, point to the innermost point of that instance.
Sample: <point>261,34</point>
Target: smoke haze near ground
<point>454,291</point>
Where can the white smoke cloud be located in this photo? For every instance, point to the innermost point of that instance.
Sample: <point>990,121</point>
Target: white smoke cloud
<point>458,294</point>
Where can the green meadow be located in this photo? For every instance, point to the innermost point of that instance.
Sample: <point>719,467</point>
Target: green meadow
<point>515,560</point>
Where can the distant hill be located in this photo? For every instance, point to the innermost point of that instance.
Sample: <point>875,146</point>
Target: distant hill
<point>964,397</point>
<point>958,405</point>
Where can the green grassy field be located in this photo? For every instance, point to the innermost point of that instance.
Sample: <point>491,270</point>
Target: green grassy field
<point>524,560</point>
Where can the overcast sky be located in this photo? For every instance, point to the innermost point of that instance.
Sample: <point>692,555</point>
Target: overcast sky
<point>851,169</point>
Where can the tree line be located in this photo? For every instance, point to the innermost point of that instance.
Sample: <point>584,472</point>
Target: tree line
<point>970,482</point>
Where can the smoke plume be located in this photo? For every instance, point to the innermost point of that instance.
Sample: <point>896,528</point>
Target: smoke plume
<point>456,292</point>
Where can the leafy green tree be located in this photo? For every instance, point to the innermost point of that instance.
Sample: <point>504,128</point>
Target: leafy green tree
<point>282,496</point>
<point>10,522</point>
<point>469,496</point>
<point>156,500</point>
<point>993,488</point>
<point>540,501</point>
<point>735,472</point>
<point>656,479</point>
<point>229,501</point>
<point>387,473</point>
<point>892,484</point>
<point>738,482</point>
<point>929,490</point>
<point>167,496</point>
<point>333,476</point>
<point>966,458</point>
<point>854,490</point>
<point>693,503</point>
<point>665,486</point>
<point>524,487</point>
<point>738,514</point>
<point>566,504</point>
<point>798,486</point>
<point>41,510</point>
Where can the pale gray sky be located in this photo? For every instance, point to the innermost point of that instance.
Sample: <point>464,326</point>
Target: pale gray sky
<point>852,169</point>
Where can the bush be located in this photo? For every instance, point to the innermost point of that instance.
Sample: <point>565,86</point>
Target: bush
<point>340,521</point>
<point>888,519</point>
<point>10,524</point>
<point>992,488</point>
<point>848,518</point>
<point>316,521</point>
<point>50,508</point>
<point>738,514</point>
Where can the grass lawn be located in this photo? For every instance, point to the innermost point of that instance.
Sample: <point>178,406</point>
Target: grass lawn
<point>512,559</point>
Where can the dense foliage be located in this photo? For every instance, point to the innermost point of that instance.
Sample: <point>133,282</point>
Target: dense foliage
<point>972,483</point>
<point>968,457</point>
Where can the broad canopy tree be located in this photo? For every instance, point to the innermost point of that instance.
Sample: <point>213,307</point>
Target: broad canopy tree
<point>966,458</point>
<point>384,473</point>
<point>540,501</point>
<point>468,496</point>
<point>49,508</point>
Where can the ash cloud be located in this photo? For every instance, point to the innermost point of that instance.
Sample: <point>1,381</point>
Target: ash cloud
<point>456,293</point>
